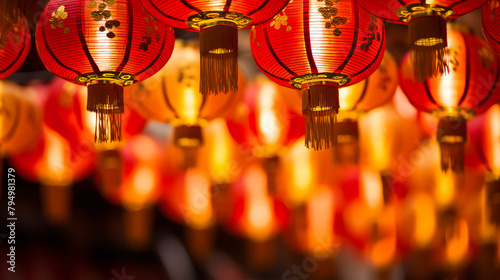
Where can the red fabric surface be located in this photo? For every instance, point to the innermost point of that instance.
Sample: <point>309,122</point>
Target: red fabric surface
<point>490,22</point>
<point>176,12</point>
<point>298,42</point>
<point>14,47</point>
<point>471,84</point>
<point>72,44</point>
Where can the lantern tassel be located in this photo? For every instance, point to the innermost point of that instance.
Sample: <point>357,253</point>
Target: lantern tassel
<point>106,100</point>
<point>429,46</point>
<point>347,151</point>
<point>493,200</point>
<point>320,105</point>
<point>452,135</point>
<point>219,59</point>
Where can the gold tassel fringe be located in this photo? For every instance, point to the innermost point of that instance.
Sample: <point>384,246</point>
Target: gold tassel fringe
<point>106,100</point>
<point>452,135</point>
<point>320,105</point>
<point>219,59</point>
<point>429,46</point>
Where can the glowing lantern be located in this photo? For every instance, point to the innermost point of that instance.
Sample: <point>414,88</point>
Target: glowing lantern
<point>56,163</point>
<point>469,89</point>
<point>218,23</point>
<point>172,96</point>
<point>355,100</point>
<point>20,119</point>
<point>427,29</point>
<point>188,200</point>
<point>139,188</point>
<point>490,23</point>
<point>106,45</point>
<point>485,136</point>
<point>15,38</point>
<point>264,123</point>
<point>319,47</point>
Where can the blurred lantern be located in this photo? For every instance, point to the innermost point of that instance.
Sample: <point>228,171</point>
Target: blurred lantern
<point>264,125</point>
<point>486,138</point>
<point>218,23</point>
<point>172,96</point>
<point>188,200</point>
<point>15,38</point>
<point>469,89</point>
<point>56,163</point>
<point>490,23</point>
<point>257,216</point>
<point>20,118</point>
<point>427,29</point>
<point>66,104</point>
<point>106,45</point>
<point>139,187</point>
<point>368,223</point>
<point>318,47</point>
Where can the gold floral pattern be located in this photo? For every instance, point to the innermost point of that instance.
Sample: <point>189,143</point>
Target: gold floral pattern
<point>330,13</point>
<point>103,14</point>
<point>151,31</point>
<point>58,17</point>
<point>281,19</point>
<point>372,34</point>
<point>253,34</point>
<point>5,34</point>
<point>486,58</point>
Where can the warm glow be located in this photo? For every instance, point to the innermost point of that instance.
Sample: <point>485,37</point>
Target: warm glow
<point>270,126</point>
<point>449,87</point>
<point>320,220</point>
<point>143,181</point>
<point>457,242</point>
<point>371,184</point>
<point>53,169</point>
<point>259,218</point>
<point>492,139</point>
<point>218,147</point>
<point>299,160</point>
<point>425,220</point>
<point>488,230</point>
<point>349,96</point>
<point>383,250</point>
<point>403,106</point>
<point>139,188</point>
<point>444,191</point>
<point>374,127</point>
<point>144,148</point>
<point>190,104</point>
<point>198,198</point>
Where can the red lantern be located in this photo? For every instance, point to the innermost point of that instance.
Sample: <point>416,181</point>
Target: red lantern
<point>485,136</point>
<point>427,28</point>
<point>172,96</point>
<point>218,23</point>
<point>263,123</point>
<point>318,47</point>
<point>20,118</point>
<point>469,89</point>
<point>490,23</point>
<point>104,44</point>
<point>15,39</point>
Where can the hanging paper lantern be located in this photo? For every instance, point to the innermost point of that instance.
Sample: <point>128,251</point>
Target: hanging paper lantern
<point>375,91</point>
<point>218,23</point>
<point>20,118</point>
<point>15,38</point>
<point>469,89</point>
<point>485,136</point>
<point>490,23</point>
<point>427,29</point>
<point>318,47</point>
<point>56,163</point>
<point>263,123</point>
<point>105,45</point>
<point>172,96</point>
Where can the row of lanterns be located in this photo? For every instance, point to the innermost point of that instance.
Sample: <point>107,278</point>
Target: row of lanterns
<point>314,46</point>
<point>240,180</point>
